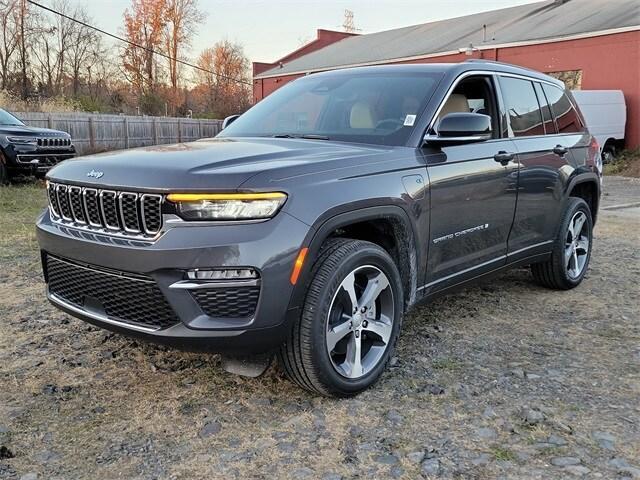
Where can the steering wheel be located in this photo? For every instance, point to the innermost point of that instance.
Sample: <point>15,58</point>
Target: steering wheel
<point>394,122</point>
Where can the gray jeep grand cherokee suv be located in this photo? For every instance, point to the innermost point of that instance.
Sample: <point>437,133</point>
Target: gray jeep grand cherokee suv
<point>313,222</point>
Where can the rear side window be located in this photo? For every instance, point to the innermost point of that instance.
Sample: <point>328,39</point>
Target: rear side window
<point>547,118</point>
<point>567,118</point>
<point>522,107</point>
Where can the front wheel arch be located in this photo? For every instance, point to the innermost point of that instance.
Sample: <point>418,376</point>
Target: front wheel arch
<point>325,227</point>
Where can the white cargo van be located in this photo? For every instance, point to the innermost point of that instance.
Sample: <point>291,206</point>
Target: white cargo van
<point>606,115</point>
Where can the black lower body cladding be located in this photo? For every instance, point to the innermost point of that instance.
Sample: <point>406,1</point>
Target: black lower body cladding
<point>143,289</point>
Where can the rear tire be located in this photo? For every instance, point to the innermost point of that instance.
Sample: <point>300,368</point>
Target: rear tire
<point>608,154</point>
<point>336,349</point>
<point>571,249</point>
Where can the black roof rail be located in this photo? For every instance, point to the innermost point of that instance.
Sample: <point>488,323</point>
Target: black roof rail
<point>512,65</point>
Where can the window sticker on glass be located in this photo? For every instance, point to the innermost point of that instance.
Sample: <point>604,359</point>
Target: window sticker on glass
<point>409,120</point>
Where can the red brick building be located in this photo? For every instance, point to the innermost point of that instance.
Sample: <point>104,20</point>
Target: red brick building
<point>590,44</point>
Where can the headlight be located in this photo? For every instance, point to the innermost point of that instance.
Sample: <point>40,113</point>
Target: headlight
<point>227,206</point>
<point>23,140</point>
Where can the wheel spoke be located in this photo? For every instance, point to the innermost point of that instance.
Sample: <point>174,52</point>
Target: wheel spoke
<point>374,288</point>
<point>380,328</point>
<point>337,333</point>
<point>578,223</point>
<point>576,268</point>
<point>353,361</point>
<point>568,253</point>
<point>583,245</point>
<point>349,286</point>
<point>571,231</point>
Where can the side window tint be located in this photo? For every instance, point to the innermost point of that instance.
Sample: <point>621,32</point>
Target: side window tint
<point>549,126</point>
<point>522,107</point>
<point>567,118</point>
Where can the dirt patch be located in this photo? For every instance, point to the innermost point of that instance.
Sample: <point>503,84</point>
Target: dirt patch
<point>504,379</point>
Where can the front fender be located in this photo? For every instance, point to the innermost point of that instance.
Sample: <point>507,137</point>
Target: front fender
<point>345,215</point>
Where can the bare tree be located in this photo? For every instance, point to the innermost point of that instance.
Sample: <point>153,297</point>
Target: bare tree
<point>24,32</point>
<point>143,25</point>
<point>9,12</point>
<point>86,50</point>
<point>225,92</point>
<point>182,18</point>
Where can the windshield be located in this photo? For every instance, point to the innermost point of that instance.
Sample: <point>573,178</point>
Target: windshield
<point>7,119</point>
<point>379,108</point>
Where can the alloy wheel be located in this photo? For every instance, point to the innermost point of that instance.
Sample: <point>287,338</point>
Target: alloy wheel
<point>577,245</point>
<point>360,322</point>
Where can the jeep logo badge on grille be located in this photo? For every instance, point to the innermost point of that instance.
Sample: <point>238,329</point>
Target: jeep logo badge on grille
<point>95,174</point>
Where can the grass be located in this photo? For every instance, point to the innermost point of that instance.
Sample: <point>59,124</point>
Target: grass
<point>20,206</point>
<point>446,364</point>
<point>503,454</point>
<point>627,164</point>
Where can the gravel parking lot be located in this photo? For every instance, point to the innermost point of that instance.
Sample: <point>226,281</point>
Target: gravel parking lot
<point>503,380</point>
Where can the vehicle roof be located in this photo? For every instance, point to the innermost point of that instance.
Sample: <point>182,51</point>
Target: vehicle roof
<point>529,23</point>
<point>453,69</point>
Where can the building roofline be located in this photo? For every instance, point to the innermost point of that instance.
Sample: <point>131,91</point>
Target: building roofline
<point>319,33</point>
<point>577,36</point>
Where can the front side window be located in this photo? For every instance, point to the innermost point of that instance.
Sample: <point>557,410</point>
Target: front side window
<point>522,107</point>
<point>475,95</point>
<point>379,108</point>
<point>7,119</point>
<point>566,116</point>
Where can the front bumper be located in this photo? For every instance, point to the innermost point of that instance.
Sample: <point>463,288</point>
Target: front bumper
<point>35,160</point>
<point>268,247</point>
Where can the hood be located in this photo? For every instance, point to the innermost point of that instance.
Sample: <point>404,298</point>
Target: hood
<point>220,164</point>
<point>26,131</point>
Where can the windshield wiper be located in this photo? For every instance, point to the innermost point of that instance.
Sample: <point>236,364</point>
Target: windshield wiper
<point>305,136</point>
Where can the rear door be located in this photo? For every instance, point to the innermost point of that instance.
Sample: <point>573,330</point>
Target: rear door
<point>545,158</point>
<point>473,193</point>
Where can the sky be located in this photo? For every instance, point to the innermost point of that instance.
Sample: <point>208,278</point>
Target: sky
<point>269,30</point>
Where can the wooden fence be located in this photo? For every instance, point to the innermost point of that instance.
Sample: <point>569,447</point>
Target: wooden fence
<point>98,133</point>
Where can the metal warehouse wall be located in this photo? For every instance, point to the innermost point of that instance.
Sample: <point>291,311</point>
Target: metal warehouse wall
<point>608,62</point>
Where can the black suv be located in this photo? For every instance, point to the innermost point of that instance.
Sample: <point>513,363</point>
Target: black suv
<point>28,150</point>
<point>313,222</point>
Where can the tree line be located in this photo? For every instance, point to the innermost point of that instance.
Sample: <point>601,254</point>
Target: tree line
<point>47,56</point>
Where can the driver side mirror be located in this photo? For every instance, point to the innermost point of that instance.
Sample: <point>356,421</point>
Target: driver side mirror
<point>458,128</point>
<point>229,120</point>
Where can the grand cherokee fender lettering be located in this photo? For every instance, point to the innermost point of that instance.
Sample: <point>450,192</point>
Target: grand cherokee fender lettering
<point>461,233</point>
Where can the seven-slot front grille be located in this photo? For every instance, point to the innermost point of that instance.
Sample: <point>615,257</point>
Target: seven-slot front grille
<point>54,142</point>
<point>126,213</point>
<point>231,302</point>
<point>124,297</point>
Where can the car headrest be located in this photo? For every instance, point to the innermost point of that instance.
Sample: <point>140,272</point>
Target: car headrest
<point>456,103</point>
<point>361,116</point>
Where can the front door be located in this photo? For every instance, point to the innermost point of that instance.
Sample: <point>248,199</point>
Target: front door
<point>473,190</point>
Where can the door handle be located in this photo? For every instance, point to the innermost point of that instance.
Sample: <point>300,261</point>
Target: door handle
<point>560,150</point>
<point>504,157</point>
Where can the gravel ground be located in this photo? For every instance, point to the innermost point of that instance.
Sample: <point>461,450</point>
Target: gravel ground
<point>502,380</point>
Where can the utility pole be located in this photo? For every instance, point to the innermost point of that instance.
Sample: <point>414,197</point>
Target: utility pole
<point>348,25</point>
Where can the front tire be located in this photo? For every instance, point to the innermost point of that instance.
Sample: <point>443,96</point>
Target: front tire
<point>571,250</point>
<point>349,323</point>
<point>4,174</point>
